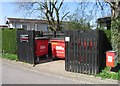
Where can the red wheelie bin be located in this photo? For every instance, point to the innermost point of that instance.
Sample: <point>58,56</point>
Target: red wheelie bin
<point>41,46</point>
<point>58,48</point>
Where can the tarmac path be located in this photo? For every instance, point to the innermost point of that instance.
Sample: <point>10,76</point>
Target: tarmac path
<point>45,73</point>
<point>12,74</point>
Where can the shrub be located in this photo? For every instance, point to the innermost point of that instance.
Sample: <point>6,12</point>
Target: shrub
<point>119,75</point>
<point>9,43</point>
<point>106,73</point>
<point>108,34</point>
<point>115,34</point>
<point>10,56</point>
<point>0,40</point>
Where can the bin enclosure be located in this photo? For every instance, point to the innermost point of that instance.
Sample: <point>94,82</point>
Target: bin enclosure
<point>111,58</point>
<point>25,44</point>
<point>31,47</point>
<point>58,48</point>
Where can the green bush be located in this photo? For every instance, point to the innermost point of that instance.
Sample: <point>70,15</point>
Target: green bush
<point>119,75</point>
<point>10,56</point>
<point>108,34</point>
<point>115,35</point>
<point>106,73</point>
<point>0,40</point>
<point>9,43</point>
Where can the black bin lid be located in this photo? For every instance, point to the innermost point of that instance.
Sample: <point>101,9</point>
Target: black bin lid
<point>41,38</point>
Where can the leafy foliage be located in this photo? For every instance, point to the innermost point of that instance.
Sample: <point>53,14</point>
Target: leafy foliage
<point>107,32</point>
<point>9,43</point>
<point>78,25</point>
<point>113,36</point>
<point>10,56</point>
<point>119,75</point>
<point>107,74</point>
<point>115,33</point>
<point>0,40</point>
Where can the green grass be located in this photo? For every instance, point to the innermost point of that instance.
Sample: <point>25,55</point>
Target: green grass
<point>10,56</point>
<point>107,74</point>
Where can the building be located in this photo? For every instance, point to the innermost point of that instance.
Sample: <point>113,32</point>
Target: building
<point>3,26</point>
<point>104,22</point>
<point>27,24</point>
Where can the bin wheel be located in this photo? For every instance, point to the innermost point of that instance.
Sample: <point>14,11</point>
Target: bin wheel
<point>47,55</point>
<point>34,65</point>
<point>37,60</point>
<point>53,58</point>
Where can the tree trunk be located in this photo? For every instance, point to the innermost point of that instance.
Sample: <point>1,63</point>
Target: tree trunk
<point>115,8</point>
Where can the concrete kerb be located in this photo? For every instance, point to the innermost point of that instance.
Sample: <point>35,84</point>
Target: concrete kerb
<point>57,69</point>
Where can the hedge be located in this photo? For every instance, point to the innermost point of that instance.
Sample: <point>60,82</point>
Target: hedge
<point>9,42</point>
<point>108,34</point>
<point>115,35</point>
<point>0,40</point>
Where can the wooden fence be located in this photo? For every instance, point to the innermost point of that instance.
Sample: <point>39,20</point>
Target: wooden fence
<point>85,51</point>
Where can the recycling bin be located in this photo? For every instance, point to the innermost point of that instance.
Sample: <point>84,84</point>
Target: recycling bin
<point>58,48</point>
<point>41,46</point>
<point>111,58</point>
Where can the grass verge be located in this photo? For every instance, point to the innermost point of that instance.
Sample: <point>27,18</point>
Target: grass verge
<point>10,56</point>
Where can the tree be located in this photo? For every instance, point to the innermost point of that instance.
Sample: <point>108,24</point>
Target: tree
<point>115,17</point>
<point>115,7</point>
<point>50,9</point>
<point>75,22</point>
<point>115,10</point>
<point>115,25</point>
<point>91,10</point>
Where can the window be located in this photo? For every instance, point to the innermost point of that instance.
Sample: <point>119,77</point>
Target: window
<point>24,27</point>
<point>35,26</point>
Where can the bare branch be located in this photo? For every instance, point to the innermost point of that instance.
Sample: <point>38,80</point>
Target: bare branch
<point>64,16</point>
<point>60,5</point>
<point>100,5</point>
<point>56,2</point>
<point>50,9</point>
<point>110,3</point>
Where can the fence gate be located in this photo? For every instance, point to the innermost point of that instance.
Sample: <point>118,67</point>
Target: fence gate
<point>25,41</point>
<point>85,51</point>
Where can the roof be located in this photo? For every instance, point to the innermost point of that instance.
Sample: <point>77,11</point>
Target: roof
<point>3,26</point>
<point>104,20</point>
<point>24,20</point>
